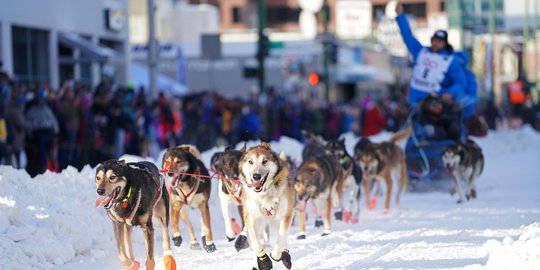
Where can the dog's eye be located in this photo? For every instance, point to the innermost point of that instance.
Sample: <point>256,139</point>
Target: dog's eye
<point>250,162</point>
<point>112,178</point>
<point>264,161</point>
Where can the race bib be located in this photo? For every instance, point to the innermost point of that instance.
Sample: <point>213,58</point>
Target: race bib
<point>429,71</point>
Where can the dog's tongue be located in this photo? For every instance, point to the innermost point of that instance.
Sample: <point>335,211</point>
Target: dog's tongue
<point>257,184</point>
<point>102,201</point>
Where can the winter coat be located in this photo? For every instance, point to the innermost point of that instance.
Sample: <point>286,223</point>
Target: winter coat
<point>19,126</point>
<point>42,118</point>
<point>454,79</point>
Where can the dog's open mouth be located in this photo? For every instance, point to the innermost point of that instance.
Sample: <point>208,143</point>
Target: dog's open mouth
<point>107,201</point>
<point>258,185</point>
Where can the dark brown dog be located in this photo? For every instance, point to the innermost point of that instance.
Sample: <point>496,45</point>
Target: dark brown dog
<point>134,194</point>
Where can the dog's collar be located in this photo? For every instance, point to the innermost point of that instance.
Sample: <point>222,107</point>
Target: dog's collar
<point>125,200</point>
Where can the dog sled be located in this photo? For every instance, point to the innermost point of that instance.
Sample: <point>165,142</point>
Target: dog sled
<point>430,137</point>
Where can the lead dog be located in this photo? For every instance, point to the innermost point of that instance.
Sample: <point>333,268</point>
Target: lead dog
<point>464,161</point>
<point>189,185</point>
<point>268,199</point>
<point>134,194</point>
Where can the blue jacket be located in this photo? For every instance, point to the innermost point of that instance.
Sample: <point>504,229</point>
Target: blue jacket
<point>454,81</point>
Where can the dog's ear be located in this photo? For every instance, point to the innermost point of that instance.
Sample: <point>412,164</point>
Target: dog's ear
<point>266,145</point>
<point>227,149</point>
<point>342,141</point>
<point>244,148</point>
<point>121,162</point>
<point>283,156</point>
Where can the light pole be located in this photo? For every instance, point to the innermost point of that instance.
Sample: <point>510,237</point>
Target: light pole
<point>152,52</point>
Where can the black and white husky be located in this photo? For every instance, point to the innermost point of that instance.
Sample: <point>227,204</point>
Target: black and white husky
<point>464,161</point>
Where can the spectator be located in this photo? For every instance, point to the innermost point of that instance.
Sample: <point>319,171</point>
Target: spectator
<point>373,120</point>
<point>44,130</point>
<point>19,127</point>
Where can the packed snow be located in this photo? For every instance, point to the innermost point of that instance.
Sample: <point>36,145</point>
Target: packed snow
<point>49,222</point>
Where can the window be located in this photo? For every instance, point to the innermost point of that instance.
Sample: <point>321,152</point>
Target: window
<point>417,10</point>
<point>282,14</point>
<point>378,12</point>
<point>236,15</point>
<point>30,55</point>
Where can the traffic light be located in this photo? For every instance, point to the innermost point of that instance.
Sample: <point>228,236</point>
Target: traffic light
<point>314,78</point>
<point>263,46</point>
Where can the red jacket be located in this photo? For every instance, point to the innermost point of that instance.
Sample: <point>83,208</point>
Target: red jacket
<point>374,122</point>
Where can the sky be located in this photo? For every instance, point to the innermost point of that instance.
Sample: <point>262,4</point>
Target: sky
<point>50,222</point>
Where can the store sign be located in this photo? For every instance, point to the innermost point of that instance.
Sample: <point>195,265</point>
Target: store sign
<point>353,19</point>
<point>115,19</point>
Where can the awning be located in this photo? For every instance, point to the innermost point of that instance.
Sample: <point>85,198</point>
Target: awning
<point>140,75</point>
<point>360,72</point>
<point>90,50</point>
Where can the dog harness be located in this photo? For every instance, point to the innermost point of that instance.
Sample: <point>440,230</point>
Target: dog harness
<point>186,196</point>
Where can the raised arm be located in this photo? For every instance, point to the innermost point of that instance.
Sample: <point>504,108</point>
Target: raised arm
<point>413,45</point>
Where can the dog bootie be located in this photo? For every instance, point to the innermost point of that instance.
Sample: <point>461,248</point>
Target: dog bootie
<point>372,203</point>
<point>168,261</point>
<point>354,220</point>
<point>318,222</point>
<point>301,236</point>
<point>263,261</point>
<point>346,216</point>
<point>195,246</point>
<point>241,242</point>
<point>134,265</point>
<point>177,240</point>
<point>285,258</point>
<point>338,214</point>
<point>208,246</point>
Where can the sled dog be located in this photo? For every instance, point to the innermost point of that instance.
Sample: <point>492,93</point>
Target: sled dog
<point>189,186</point>
<point>380,162</point>
<point>268,198</point>
<point>464,161</point>
<point>134,194</point>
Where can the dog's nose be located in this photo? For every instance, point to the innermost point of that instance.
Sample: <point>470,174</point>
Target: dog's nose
<point>256,176</point>
<point>100,191</point>
<point>170,174</point>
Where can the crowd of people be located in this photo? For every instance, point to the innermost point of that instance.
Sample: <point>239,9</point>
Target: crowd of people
<point>76,125</point>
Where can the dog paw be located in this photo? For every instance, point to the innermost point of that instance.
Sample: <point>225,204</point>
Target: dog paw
<point>230,239</point>
<point>459,201</point>
<point>133,265</point>
<point>208,246</point>
<point>385,211</point>
<point>318,222</point>
<point>286,259</point>
<point>325,233</point>
<point>372,203</point>
<point>264,262</point>
<point>177,240</point>
<point>473,193</point>
<point>354,220</point>
<point>346,216</point>
<point>338,214</point>
<point>452,191</point>
<point>241,243</point>
<point>169,263</point>
<point>195,246</point>
<point>301,236</point>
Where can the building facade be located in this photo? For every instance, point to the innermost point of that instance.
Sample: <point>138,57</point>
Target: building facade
<point>50,41</point>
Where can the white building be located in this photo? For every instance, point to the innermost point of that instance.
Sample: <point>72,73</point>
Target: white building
<point>50,41</point>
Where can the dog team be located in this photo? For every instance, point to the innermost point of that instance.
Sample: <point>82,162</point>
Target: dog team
<point>266,187</point>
